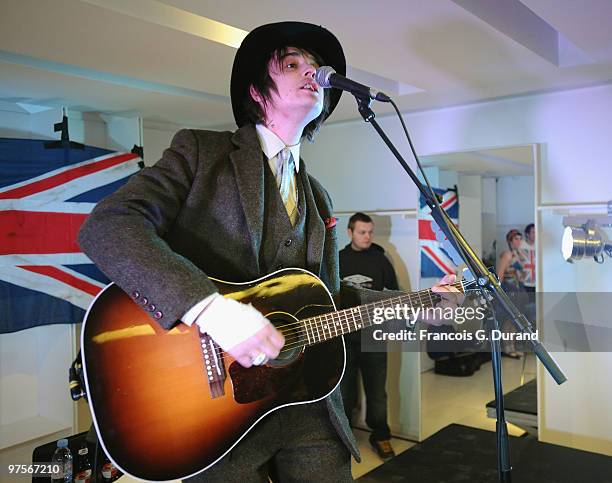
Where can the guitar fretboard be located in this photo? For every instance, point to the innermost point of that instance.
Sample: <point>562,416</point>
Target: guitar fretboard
<point>327,326</point>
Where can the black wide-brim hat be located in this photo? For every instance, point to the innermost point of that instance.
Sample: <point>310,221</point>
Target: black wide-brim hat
<point>258,45</point>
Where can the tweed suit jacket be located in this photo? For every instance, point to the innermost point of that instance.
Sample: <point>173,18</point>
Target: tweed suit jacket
<point>198,212</point>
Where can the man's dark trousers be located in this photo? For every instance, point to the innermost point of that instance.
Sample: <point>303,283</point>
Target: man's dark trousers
<point>373,367</point>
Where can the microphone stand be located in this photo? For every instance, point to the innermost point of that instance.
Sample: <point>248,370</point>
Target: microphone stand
<point>490,287</point>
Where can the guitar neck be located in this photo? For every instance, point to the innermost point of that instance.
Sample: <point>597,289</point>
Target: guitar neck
<point>334,324</point>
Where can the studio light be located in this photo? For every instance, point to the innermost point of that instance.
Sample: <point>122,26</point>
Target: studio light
<point>587,240</point>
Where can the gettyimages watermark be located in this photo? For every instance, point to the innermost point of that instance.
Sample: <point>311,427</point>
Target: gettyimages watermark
<point>439,316</point>
<point>563,322</point>
<point>413,314</point>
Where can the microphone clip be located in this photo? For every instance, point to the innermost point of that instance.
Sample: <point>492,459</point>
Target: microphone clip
<point>363,106</point>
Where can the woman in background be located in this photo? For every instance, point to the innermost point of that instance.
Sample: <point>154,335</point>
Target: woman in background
<point>511,274</point>
<point>510,263</point>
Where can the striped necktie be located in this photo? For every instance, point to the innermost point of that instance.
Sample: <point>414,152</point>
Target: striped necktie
<point>285,179</point>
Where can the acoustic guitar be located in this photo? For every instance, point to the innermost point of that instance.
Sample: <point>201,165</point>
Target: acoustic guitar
<point>168,404</point>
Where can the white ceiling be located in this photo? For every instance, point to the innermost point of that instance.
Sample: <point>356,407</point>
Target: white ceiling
<point>488,163</point>
<point>155,58</point>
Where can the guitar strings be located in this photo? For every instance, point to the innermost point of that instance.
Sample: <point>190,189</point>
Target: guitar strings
<point>382,302</point>
<point>299,329</point>
<point>412,297</point>
<point>299,337</point>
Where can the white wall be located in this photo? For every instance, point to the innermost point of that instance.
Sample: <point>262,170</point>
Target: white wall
<point>13,123</point>
<point>156,138</point>
<point>574,130</point>
<point>470,210</point>
<point>515,206</point>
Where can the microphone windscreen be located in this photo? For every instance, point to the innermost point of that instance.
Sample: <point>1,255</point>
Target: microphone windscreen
<point>322,75</point>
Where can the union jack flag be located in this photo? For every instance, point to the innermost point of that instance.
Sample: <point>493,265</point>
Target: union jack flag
<point>436,256</point>
<point>45,195</point>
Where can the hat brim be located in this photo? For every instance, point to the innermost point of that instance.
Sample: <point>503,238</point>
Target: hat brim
<point>259,44</point>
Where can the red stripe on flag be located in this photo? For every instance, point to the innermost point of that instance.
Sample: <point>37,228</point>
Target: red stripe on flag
<point>64,177</point>
<point>57,274</point>
<point>442,265</point>
<point>425,231</point>
<point>39,232</point>
<point>449,201</point>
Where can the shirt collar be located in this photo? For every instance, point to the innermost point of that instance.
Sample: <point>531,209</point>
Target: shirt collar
<point>271,145</point>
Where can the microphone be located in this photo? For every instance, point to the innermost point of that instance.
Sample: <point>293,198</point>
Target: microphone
<point>327,77</point>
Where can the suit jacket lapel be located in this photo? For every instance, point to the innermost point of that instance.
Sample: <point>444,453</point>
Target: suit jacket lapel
<point>315,228</point>
<point>247,161</point>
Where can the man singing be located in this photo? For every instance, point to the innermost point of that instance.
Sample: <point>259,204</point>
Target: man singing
<point>236,206</point>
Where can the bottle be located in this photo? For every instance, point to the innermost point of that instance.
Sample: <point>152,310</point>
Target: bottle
<point>83,466</point>
<point>62,461</point>
<point>109,471</point>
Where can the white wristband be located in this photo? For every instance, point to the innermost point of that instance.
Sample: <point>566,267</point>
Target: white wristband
<point>192,314</point>
<point>230,322</point>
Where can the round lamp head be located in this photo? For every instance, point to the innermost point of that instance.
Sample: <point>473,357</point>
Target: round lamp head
<point>572,244</point>
<point>579,242</point>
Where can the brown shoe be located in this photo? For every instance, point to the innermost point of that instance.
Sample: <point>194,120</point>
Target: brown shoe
<point>383,448</point>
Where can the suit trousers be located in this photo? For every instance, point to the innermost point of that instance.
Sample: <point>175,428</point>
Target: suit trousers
<point>293,444</point>
<point>373,368</point>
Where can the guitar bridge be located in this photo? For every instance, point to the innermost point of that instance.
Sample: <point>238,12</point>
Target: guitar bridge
<point>213,363</point>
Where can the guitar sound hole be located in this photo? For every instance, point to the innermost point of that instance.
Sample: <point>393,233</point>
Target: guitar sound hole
<point>293,331</point>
